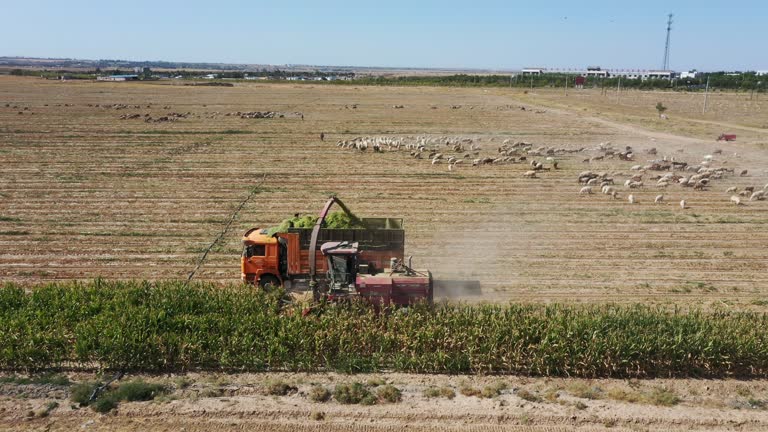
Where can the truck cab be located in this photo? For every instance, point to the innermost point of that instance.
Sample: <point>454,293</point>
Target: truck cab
<point>263,260</point>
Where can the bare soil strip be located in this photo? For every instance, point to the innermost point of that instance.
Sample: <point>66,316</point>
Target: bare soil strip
<point>237,402</point>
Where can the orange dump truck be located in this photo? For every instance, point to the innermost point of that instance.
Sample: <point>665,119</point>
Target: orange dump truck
<point>284,258</point>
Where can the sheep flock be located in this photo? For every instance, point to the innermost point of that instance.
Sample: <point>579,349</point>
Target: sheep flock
<point>675,179</point>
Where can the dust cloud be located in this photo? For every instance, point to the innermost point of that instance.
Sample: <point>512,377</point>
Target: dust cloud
<point>480,258</point>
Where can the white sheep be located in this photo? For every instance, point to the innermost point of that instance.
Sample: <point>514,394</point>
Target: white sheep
<point>529,174</point>
<point>682,204</point>
<point>736,200</point>
<point>586,190</point>
<point>659,199</point>
<point>759,195</point>
<point>631,199</point>
<point>731,189</point>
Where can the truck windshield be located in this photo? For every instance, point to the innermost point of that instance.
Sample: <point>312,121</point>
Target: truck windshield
<point>254,250</point>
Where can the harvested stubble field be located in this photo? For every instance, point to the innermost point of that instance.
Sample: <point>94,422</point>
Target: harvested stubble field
<point>86,194</point>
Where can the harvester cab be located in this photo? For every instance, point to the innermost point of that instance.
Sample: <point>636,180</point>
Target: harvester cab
<point>343,259</point>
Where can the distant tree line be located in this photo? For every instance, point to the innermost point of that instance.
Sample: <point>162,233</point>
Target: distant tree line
<point>278,74</point>
<point>718,80</point>
<point>53,74</point>
<point>92,74</point>
<point>747,81</point>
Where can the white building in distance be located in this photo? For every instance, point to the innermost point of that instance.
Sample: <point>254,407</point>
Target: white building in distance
<point>691,74</point>
<point>597,71</point>
<point>533,71</point>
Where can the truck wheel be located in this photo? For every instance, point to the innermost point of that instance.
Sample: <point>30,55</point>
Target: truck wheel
<point>268,282</point>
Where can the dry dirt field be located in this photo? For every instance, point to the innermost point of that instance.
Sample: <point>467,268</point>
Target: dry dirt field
<point>212,403</point>
<point>84,194</point>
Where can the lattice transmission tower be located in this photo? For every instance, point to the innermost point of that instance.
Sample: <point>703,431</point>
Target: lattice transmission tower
<point>665,65</point>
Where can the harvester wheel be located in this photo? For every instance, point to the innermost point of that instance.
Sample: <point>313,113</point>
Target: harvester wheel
<point>267,282</point>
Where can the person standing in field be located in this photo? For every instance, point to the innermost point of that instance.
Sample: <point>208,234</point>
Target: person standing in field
<point>322,136</point>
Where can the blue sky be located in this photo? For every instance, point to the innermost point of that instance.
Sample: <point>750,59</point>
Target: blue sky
<point>397,33</point>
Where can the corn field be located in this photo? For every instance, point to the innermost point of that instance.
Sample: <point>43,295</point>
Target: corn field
<point>166,326</point>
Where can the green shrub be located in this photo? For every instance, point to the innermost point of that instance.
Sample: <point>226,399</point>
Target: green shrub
<point>138,390</point>
<point>319,393</point>
<point>351,393</point>
<point>585,391</point>
<point>663,397</point>
<point>183,382</point>
<point>81,393</point>
<point>46,411</point>
<point>493,390</point>
<point>47,378</point>
<point>528,395</point>
<point>280,388</point>
<point>389,393</point>
<point>622,395</point>
<point>105,403</point>
<point>446,392</point>
<point>468,389</point>
<point>211,392</point>
<point>375,382</point>
<point>130,391</point>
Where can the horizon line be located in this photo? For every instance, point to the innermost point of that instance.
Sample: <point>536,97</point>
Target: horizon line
<point>435,68</point>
